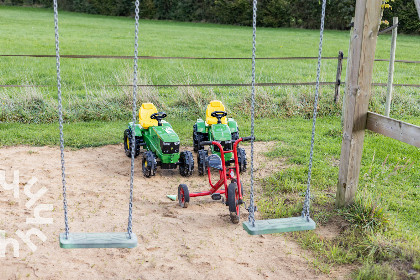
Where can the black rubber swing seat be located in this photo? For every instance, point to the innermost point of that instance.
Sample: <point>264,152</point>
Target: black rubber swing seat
<point>279,225</point>
<point>98,240</point>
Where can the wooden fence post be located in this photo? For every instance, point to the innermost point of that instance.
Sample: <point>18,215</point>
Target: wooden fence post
<point>338,76</point>
<point>363,45</point>
<point>348,67</point>
<point>391,67</point>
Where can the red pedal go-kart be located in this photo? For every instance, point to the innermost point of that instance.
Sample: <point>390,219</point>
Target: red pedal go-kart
<point>233,192</point>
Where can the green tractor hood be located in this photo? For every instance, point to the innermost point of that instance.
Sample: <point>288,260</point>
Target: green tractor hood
<point>220,132</point>
<point>166,133</point>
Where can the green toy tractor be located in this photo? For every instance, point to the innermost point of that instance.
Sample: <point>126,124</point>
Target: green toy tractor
<point>160,142</point>
<point>217,128</point>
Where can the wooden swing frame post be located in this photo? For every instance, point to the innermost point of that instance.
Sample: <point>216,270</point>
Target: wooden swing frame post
<point>362,55</point>
<point>356,115</point>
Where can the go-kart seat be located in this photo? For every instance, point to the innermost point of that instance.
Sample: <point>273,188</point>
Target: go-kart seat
<point>214,161</point>
<point>214,105</point>
<point>146,110</point>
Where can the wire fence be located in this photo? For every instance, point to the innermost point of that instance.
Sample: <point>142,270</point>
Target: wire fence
<point>184,57</point>
<point>219,85</point>
<point>77,56</point>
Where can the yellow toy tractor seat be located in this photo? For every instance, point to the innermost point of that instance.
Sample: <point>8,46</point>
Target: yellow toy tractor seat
<point>146,110</point>
<point>214,105</point>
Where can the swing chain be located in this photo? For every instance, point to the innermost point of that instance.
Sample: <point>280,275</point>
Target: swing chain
<point>60,118</point>
<point>133,134</point>
<point>306,205</point>
<point>251,207</point>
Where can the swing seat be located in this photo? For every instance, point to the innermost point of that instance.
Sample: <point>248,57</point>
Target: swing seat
<point>279,225</point>
<point>98,240</point>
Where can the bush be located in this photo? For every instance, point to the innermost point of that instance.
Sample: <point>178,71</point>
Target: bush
<point>271,13</point>
<point>408,19</point>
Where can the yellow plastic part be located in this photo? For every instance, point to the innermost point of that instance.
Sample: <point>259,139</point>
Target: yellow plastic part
<point>214,105</point>
<point>146,110</point>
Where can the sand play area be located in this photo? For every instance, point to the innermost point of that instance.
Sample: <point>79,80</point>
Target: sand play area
<point>198,242</point>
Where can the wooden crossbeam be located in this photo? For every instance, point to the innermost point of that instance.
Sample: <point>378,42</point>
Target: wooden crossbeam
<point>395,129</point>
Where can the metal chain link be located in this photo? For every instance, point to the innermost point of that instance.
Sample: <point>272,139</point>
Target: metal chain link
<point>306,205</point>
<point>60,118</point>
<point>251,208</point>
<point>133,132</point>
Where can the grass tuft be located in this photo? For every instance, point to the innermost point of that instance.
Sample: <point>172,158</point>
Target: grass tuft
<point>375,272</point>
<point>367,214</point>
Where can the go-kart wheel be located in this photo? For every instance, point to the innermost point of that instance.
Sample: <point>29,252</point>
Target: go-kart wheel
<point>242,160</point>
<point>128,144</point>
<point>149,164</point>
<point>201,161</point>
<point>186,163</point>
<point>183,195</point>
<point>233,198</point>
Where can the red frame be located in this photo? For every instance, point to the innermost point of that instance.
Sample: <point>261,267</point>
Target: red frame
<point>223,174</point>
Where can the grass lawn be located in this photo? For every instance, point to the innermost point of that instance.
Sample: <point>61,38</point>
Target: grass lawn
<point>31,31</point>
<point>384,223</point>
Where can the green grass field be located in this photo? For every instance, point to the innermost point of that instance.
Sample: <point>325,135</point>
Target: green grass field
<point>31,31</point>
<point>389,188</point>
<point>81,34</point>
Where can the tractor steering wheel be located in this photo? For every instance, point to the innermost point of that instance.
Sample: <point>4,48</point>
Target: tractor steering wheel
<point>219,115</point>
<point>159,117</point>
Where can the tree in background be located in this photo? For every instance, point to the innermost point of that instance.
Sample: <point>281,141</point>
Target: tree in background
<point>405,10</point>
<point>271,13</point>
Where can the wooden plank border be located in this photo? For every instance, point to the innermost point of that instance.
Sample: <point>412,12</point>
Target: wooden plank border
<point>395,129</point>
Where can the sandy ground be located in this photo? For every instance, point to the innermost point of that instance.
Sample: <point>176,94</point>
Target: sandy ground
<point>198,242</point>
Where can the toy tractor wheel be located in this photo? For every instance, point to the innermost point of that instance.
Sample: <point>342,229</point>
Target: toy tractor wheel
<point>235,136</point>
<point>241,159</point>
<point>186,164</point>
<point>233,198</point>
<point>183,195</point>
<point>128,144</point>
<point>197,138</point>
<point>149,164</point>
<point>201,161</point>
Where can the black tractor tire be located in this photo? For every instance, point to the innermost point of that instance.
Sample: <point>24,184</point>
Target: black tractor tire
<point>183,196</point>
<point>128,144</point>
<point>242,160</point>
<point>149,164</point>
<point>197,138</point>
<point>186,164</point>
<point>235,136</point>
<point>233,199</point>
<point>201,161</point>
